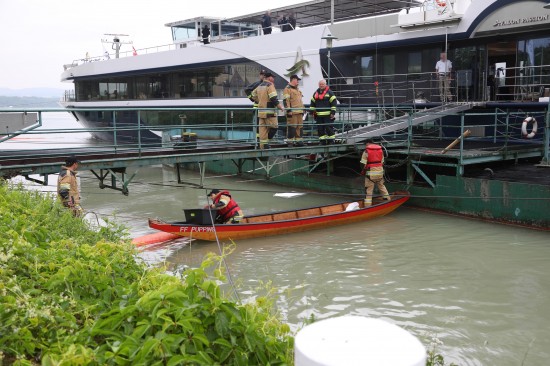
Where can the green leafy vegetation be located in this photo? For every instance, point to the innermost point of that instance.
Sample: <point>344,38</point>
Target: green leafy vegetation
<point>70,295</point>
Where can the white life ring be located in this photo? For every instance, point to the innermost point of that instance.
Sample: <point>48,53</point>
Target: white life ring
<point>441,3</point>
<point>533,132</point>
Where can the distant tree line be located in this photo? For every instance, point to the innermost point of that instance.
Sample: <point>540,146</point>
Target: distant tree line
<point>28,102</point>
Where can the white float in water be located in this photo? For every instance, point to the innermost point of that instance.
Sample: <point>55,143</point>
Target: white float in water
<point>355,340</point>
<point>288,194</point>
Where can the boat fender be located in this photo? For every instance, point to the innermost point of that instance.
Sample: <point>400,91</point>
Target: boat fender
<point>533,132</point>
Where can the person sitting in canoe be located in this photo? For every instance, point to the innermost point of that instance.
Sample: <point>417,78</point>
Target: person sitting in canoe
<point>227,210</point>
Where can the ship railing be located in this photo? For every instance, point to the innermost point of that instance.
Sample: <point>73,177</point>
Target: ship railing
<point>524,83</point>
<point>527,83</point>
<point>172,46</point>
<point>147,130</point>
<point>395,89</point>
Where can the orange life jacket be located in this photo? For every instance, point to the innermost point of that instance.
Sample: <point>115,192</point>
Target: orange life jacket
<point>230,210</point>
<point>375,155</point>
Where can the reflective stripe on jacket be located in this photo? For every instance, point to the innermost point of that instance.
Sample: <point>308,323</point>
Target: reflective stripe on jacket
<point>292,98</point>
<point>323,102</point>
<point>67,181</point>
<point>266,97</point>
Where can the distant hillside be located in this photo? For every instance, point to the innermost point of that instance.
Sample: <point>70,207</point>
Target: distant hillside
<point>29,102</point>
<point>33,92</point>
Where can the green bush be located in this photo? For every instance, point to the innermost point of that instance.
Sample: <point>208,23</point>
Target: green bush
<point>70,295</point>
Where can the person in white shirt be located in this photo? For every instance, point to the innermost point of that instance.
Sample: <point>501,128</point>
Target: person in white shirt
<point>443,69</point>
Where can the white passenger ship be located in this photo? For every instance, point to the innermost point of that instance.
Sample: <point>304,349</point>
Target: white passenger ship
<point>380,53</point>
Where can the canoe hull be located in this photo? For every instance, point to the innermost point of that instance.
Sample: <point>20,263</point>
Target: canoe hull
<point>277,227</point>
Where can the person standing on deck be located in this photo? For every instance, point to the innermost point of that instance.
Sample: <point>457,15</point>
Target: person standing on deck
<point>373,170</point>
<point>248,90</point>
<point>266,97</point>
<point>266,22</point>
<point>323,108</point>
<point>292,21</point>
<point>227,210</point>
<point>206,34</point>
<point>67,186</point>
<point>443,69</point>
<point>292,99</point>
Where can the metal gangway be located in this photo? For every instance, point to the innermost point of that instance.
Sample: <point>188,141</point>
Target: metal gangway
<point>402,122</point>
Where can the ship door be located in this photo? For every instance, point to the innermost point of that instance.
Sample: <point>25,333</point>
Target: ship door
<point>469,65</point>
<point>501,61</point>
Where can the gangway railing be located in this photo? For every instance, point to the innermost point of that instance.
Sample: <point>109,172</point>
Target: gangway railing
<point>401,123</point>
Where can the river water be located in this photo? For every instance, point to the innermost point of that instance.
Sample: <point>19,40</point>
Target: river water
<point>478,289</point>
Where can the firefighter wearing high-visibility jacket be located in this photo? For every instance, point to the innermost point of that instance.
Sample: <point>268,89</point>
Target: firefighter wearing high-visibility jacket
<point>266,97</point>
<point>323,108</point>
<point>373,170</point>
<point>292,100</point>
<point>67,186</point>
<point>248,90</point>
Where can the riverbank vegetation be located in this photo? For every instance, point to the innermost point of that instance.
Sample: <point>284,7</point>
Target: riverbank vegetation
<point>74,296</point>
<point>70,295</point>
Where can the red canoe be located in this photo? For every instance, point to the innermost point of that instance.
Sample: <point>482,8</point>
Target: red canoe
<point>281,222</point>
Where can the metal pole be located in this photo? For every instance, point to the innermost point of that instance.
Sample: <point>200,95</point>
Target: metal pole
<point>328,69</point>
<point>331,12</point>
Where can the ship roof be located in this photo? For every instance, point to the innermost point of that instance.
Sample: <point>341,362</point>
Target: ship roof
<point>316,12</point>
<point>319,11</point>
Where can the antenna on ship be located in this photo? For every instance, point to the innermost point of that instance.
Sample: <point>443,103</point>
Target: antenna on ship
<point>116,42</point>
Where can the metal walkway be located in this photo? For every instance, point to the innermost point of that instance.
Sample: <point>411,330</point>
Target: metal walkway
<point>400,123</point>
<point>113,165</point>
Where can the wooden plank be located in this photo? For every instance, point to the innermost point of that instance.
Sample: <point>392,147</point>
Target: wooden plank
<point>285,216</point>
<point>331,209</point>
<point>263,218</point>
<point>309,212</point>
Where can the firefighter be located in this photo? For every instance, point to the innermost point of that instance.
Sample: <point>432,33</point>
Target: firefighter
<point>266,97</point>
<point>227,210</point>
<point>67,186</point>
<point>292,99</point>
<point>248,90</point>
<point>373,170</point>
<point>323,108</point>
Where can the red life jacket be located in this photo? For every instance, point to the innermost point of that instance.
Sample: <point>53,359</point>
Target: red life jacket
<point>230,210</point>
<point>322,95</point>
<point>375,155</point>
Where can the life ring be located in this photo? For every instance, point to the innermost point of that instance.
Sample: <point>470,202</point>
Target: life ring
<point>441,3</point>
<point>533,132</point>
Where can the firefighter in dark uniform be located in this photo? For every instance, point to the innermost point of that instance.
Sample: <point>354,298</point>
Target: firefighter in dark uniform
<point>266,97</point>
<point>67,186</point>
<point>373,170</point>
<point>323,108</point>
<point>248,90</point>
<point>292,99</point>
<point>227,210</point>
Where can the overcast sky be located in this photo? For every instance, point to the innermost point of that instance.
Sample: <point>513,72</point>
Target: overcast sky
<point>37,37</point>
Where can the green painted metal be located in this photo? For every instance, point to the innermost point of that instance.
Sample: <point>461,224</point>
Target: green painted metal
<point>423,175</point>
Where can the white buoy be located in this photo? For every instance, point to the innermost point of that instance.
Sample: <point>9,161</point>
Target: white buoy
<point>356,340</point>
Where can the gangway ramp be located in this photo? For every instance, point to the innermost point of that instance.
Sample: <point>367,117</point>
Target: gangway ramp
<point>400,123</point>
<point>13,124</point>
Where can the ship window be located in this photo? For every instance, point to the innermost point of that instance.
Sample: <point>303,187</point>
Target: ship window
<point>183,32</point>
<point>367,65</point>
<point>415,62</point>
<point>388,64</point>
